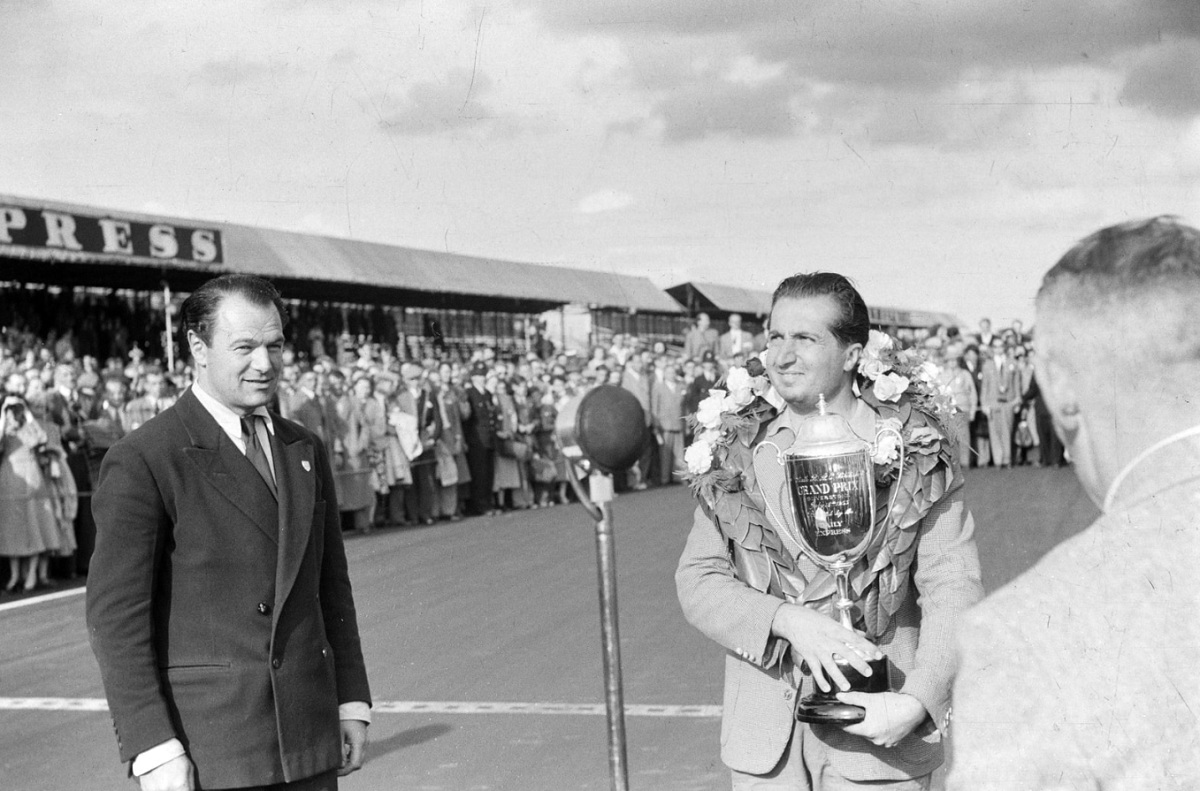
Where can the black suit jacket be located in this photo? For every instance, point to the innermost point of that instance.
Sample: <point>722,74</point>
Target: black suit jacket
<point>217,615</point>
<point>480,426</point>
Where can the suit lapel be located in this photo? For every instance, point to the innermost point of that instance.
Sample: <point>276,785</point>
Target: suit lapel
<point>295,473</point>
<point>225,467</point>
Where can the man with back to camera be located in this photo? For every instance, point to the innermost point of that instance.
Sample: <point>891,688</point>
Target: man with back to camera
<point>219,605</point>
<point>743,581</point>
<point>1081,673</point>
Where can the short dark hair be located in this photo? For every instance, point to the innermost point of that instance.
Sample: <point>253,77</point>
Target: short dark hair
<point>1130,258</point>
<point>854,322</point>
<point>199,311</point>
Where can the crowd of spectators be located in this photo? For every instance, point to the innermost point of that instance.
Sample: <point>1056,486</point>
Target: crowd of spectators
<point>452,434</point>
<point>1001,419</point>
<point>412,441</point>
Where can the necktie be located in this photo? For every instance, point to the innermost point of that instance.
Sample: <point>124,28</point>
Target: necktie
<point>255,453</point>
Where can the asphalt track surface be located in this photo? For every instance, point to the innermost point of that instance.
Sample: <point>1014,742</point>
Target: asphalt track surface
<point>482,643</point>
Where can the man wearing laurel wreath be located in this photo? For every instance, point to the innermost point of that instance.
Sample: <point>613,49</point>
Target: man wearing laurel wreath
<point>744,581</point>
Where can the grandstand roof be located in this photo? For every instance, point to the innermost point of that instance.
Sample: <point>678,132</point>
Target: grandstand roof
<point>720,300</point>
<point>54,242</point>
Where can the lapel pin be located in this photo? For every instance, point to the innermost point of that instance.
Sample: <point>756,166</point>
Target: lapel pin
<point>307,467</point>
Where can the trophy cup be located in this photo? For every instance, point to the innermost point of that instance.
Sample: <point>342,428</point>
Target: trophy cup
<point>831,491</point>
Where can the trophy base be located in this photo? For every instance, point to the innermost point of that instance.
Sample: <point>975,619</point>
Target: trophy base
<point>825,708</point>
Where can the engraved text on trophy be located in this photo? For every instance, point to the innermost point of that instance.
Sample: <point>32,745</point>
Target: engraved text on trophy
<point>831,496</point>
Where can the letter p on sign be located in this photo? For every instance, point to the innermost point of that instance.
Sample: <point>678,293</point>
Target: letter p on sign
<point>10,220</point>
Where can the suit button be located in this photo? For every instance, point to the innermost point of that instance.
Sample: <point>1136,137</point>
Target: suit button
<point>275,663</point>
<point>264,608</point>
<point>789,694</point>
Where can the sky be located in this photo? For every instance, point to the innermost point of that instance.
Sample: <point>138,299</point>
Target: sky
<point>942,153</point>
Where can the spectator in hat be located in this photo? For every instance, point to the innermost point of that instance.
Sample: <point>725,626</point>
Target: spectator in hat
<point>479,429</point>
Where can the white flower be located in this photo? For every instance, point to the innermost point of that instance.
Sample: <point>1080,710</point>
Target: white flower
<point>759,385</point>
<point>737,378</point>
<point>887,448</point>
<point>870,363</point>
<point>740,384</point>
<point>929,372</point>
<point>708,413</point>
<point>872,369</point>
<point>699,457</point>
<point>890,387</point>
<point>878,342</point>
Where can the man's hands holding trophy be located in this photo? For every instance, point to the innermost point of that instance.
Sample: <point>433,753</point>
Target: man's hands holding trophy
<point>816,642</point>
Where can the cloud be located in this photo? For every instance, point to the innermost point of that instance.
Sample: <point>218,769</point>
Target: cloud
<point>896,69</point>
<point>229,73</point>
<point>720,107</point>
<point>431,107</point>
<point>1166,80</point>
<point>604,201</point>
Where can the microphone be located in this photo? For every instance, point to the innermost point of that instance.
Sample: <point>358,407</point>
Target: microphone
<point>604,428</point>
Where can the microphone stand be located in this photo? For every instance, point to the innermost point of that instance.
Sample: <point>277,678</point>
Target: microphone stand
<point>599,507</point>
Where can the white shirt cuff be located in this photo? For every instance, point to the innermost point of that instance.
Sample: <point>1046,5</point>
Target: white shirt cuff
<point>155,757</point>
<point>355,710</point>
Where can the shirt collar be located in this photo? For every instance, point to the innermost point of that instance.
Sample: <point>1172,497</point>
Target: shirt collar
<point>862,417</point>
<point>229,421</point>
<point>1168,462</point>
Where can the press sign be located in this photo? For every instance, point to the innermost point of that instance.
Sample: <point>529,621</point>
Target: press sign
<point>71,231</point>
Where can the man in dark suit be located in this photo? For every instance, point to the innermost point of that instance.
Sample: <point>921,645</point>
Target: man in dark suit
<point>980,444</point>
<point>219,605</point>
<point>479,430</point>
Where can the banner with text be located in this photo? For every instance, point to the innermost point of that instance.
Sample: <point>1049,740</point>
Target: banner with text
<point>52,229</point>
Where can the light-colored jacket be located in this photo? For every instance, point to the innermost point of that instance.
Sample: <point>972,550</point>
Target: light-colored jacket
<point>759,700</point>
<point>1081,673</point>
<point>998,384</point>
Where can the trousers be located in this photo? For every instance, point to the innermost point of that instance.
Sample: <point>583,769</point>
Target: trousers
<point>805,766</point>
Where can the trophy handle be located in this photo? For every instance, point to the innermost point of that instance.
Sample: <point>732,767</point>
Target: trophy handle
<point>763,444</point>
<point>779,518</point>
<point>900,444</point>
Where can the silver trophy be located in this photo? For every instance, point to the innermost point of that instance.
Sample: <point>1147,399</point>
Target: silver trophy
<point>831,491</point>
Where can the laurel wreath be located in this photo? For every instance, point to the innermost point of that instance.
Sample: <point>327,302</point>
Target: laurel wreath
<point>908,485</point>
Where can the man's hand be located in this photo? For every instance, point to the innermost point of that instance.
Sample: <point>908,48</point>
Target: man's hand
<point>815,639</point>
<point>354,746</point>
<point>175,775</point>
<point>890,716</point>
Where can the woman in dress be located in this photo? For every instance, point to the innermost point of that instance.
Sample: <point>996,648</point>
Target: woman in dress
<point>510,483</point>
<point>29,528</point>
